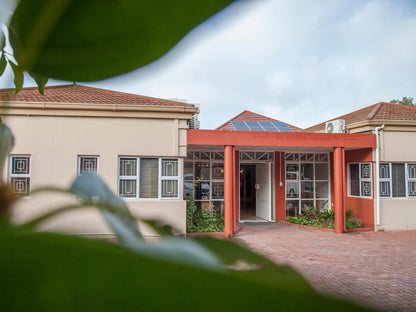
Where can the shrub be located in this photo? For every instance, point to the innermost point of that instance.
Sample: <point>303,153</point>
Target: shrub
<point>202,221</point>
<point>325,219</point>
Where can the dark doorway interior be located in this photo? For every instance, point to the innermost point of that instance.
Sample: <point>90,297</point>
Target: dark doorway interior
<point>247,192</point>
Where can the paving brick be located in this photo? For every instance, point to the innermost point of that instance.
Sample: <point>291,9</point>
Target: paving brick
<point>377,269</point>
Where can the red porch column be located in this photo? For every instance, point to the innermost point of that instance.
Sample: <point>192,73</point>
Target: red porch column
<point>228,191</point>
<point>236,185</point>
<point>339,189</point>
<point>279,177</point>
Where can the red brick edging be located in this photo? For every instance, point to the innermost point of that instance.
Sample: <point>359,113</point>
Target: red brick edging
<point>323,229</point>
<point>196,234</point>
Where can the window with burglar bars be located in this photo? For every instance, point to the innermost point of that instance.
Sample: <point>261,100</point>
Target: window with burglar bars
<point>397,180</point>
<point>87,164</point>
<point>141,177</point>
<point>19,174</point>
<point>360,180</point>
<point>204,180</point>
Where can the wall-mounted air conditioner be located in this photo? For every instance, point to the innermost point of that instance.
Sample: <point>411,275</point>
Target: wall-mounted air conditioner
<point>335,126</point>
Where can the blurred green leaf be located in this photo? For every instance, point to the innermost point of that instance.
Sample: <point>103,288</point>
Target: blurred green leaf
<point>6,144</point>
<point>181,250</point>
<point>18,77</point>
<point>2,39</point>
<point>40,81</point>
<point>159,227</point>
<point>3,63</point>
<point>50,272</point>
<point>85,40</point>
<point>91,190</point>
<point>251,266</point>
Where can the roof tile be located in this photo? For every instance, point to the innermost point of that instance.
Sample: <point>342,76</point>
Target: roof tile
<point>82,94</point>
<point>381,111</point>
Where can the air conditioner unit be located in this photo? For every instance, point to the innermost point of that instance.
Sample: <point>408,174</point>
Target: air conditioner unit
<point>335,126</point>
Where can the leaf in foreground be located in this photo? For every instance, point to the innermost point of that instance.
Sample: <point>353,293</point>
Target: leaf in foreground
<point>86,40</point>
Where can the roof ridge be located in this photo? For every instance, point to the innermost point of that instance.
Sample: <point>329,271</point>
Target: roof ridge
<point>340,117</point>
<point>255,116</point>
<point>375,110</point>
<point>229,120</point>
<point>81,94</point>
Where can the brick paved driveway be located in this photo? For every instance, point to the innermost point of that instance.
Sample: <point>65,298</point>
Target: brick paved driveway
<point>376,269</point>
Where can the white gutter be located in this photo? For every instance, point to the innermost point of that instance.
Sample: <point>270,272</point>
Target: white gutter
<point>377,175</point>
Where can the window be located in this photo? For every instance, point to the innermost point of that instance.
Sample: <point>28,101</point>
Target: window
<point>385,180</point>
<point>359,180</point>
<point>19,177</point>
<point>397,180</point>
<point>148,178</point>
<point>87,164</point>
<point>170,178</point>
<point>307,182</point>
<point>411,180</point>
<point>204,179</point>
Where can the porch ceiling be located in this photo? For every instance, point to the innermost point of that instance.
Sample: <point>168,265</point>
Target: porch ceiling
<point>279,141</point>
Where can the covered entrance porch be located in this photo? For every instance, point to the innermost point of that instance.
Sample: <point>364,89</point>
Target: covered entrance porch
<point>263,176</point>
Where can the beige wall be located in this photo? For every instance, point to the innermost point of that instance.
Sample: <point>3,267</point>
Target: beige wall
<point>397,145</point>
<point>397,214</point>
<point>54,144</point>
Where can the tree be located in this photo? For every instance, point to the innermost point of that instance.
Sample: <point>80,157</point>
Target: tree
<point>404,101</point>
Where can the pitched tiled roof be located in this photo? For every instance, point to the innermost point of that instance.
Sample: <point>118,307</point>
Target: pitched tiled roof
<point>250,116</point>
<point>377,112</point>
<point>78,94</point>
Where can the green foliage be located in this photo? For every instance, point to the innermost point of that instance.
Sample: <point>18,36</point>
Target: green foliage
<point>52,272</point>
<point>6,144</point>
<point>78,40</point>
<point>404,101</point>
<point>3,63</point>
<point>325,219</point>
<point>18,76</point>
<point>202,221</point>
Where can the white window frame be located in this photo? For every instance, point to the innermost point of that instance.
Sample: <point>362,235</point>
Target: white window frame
<point>80,157</point>
<point>409,180</point>
<point>360,179</point>
<point>386,180</point>
<point>132,177</point>
<point>18,175</point>
<point>169,178</point>
<point>160,178</point>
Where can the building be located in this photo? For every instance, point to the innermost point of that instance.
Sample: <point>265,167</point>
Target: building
<point>395,207</point>
<point>251,168</point>
<point>136,144</point>
<point>256,168</point>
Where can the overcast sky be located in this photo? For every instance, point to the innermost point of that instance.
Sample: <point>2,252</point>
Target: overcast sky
<point>298,61</point>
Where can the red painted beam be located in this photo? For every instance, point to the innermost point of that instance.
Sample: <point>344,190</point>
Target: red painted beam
<point>284,139</point>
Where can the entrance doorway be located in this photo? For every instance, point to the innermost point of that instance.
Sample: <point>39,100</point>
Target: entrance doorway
<point>255,192</point>
<point>247,192</point>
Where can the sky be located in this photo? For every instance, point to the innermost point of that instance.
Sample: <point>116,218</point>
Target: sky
<point>299,61</point>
